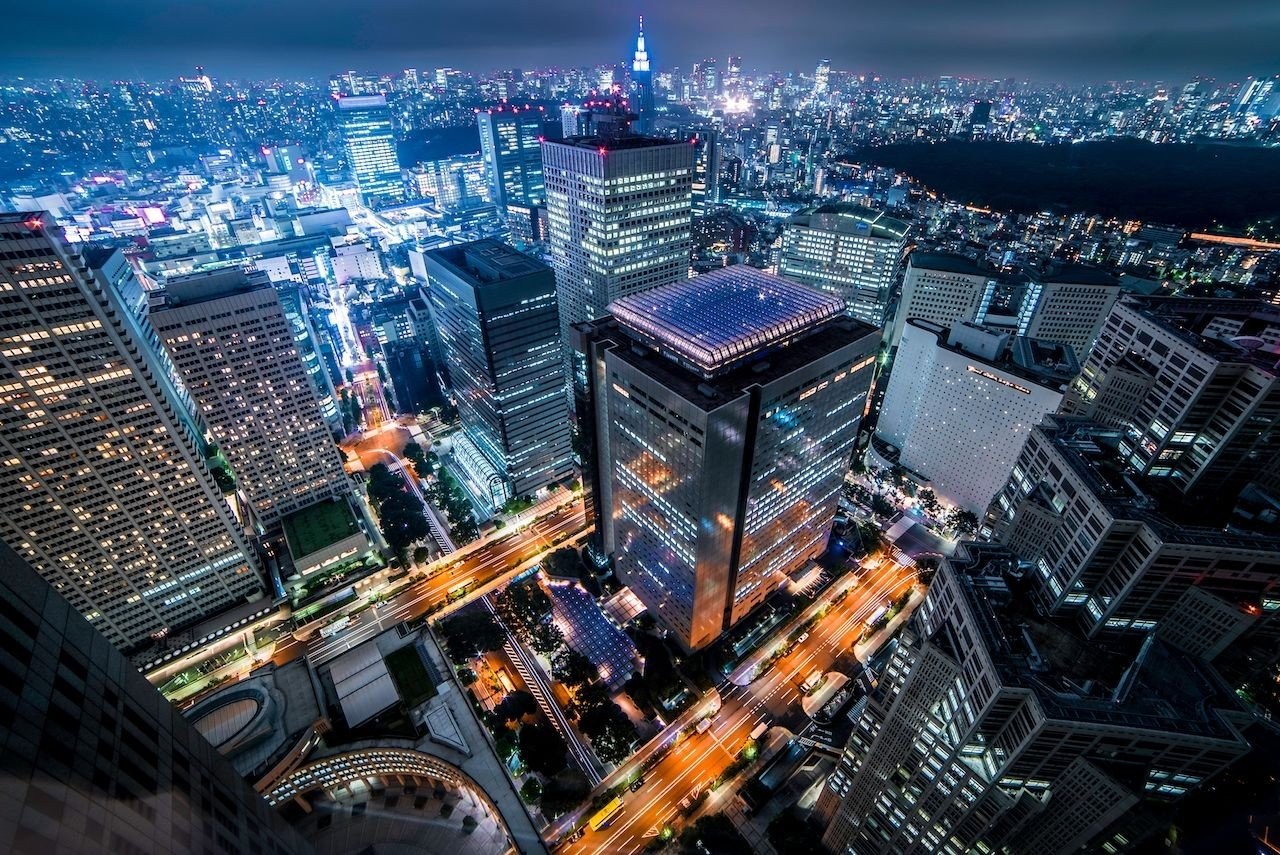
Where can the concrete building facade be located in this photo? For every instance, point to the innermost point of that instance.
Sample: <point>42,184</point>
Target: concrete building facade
<point>994,729</point>
<point>230,340</point>
<point>105,491</point>
<point>619,210</point>
<point>942,288</point>
<point>94,758</point>
<point>847,250</point>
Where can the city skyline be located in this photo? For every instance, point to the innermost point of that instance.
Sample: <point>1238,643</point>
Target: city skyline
<point>643,454</point>
<point>1087,40</point>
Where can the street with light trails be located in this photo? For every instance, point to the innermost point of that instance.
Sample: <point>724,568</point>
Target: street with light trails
<point>683,773</point>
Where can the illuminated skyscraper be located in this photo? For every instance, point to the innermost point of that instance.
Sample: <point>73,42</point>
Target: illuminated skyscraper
<point>1118,554</point>
<point>706,171</point>
<point>511,142</point>
<point>1194,385</point>
<point>642,84</point>
<point>1068,303</point>
<point>710,78</point>
<point>104,488</point>
<point>494,310</point>
<point>961,401</point>
<point>619,208</point>
<point>941,288</point>
<point>231,342</point>
<point>849,251</point>
<point>822,78</point>
<point>733,75</point>
<point>365,122</point>
<point>996,729</point>
<point>94,758</point>
<point>724,409</point>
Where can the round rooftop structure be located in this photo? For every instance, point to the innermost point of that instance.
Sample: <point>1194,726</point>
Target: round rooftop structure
<point>221,723</point>
<point>421,804</point>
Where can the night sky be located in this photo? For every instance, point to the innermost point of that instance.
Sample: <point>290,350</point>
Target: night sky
<point>1071,40</point>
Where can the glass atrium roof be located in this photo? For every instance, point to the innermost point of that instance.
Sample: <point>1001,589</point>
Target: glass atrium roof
<point>718,318</point>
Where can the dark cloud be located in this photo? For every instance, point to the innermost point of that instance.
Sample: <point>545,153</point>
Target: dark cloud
<point>1072,39</point>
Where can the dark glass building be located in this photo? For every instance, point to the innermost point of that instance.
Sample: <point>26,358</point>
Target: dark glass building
<point>94,759</point>
<point>723,410</point>
<point>511,142</point>
<point>494,310</point>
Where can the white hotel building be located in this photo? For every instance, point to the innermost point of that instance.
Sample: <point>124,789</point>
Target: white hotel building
<point>960,403</point>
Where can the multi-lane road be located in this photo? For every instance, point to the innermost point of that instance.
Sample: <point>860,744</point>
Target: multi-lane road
<point>686,771</point>
<point>470,572</point>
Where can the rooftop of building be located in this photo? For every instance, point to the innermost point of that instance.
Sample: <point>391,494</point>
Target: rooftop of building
<point>621,142</point>
<point>361,102</point>
<point>97,256</point>
<point>1077,274</point>
<point>1120,682</point>
<point>948,262</point>
<point>718,319</point>
<point>851,218</point>
<point>318,526</point>
<point>710,393</point>
<point>1092,451</point>
<point>513,109</point>
<point>1046,363</point>
<point>486,262</point>
<point>208,285</point>
<point>1187,318</point>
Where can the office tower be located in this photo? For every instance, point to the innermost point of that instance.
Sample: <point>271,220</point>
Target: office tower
<point>94,758</point>
<point>495,312</point>
<point>733,75</point>
<point>1068,303</point>
<point>994,729</point>
<point>228,335</point>
<point>822,78</point>
<point>1259,98</point>
<point>527,225</point>
<point>1122,555</point>
<point>706,171</point>
<point>849,251</point>
<point>110,268</point>
<point>942,288</point>
<point>453,181</point>
<point>642,84</point>
<point>619,209</point>
<point>569,119</point>
<point>980,118</point>
<point>706,78</point>
<point>511,142</point>
<point>105,491</point>
<point>1193,384</point>
<point>960,403</point>
<point>725,408</point>
<point>297,310</point>
<point>365,123</point>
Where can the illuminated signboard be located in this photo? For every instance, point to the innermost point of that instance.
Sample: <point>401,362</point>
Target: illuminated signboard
<point>973,369</point>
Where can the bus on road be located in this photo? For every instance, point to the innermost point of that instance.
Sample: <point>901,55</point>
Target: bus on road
<point>336,627</point>
<point>606,814</point>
